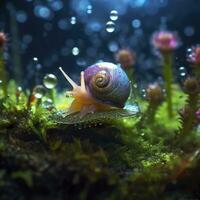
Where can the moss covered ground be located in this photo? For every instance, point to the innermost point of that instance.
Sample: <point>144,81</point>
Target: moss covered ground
<point>126,158</point>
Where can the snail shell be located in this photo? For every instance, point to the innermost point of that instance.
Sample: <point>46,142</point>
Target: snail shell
<point>107,83</point>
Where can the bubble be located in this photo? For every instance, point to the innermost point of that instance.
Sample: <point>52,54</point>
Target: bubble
<point>113,15</point>
<point>81,62</point>
<point>47,104</point>
<point>136,23</point>
<point>39,91</point>
<point>89,9</point>
<point>137,3</point>
<point>56,5</point>
<point>62,24</point>
<point>113,46</point>
<point>73,20</point>
<point>19,89</point>
<point>93,26</point>
<point>189,31</point>
<point>110,26</point>
<point>50,81</point>
<point>144,93</point>
<point>75,51</point>
<point>21,16</point>
<point>182,71</point>
<point>42,12</point>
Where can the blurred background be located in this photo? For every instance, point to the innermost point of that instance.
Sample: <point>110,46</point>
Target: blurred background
<point>43,35</point>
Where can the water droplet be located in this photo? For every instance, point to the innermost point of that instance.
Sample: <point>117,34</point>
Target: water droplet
<point>19,89</point>
<point>35,59</point>
<point>113,15</point>
<point>113,46</point>
<point>182,71</point>
<point>75,51</point>
<point>89,9</point>
<point>50,81</point>
<point>39,91</point>
<point>136,23</point>
<point>21,16</point>
<point>143,93</point>
<point>42,12</point>
<point>73,20</point>
<point>110,26</point>
<point>48,104</point>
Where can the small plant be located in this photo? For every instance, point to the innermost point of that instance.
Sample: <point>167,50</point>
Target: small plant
<point>166,42</point>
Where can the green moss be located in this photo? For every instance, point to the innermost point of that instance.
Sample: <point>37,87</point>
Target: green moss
<point>109,159</point>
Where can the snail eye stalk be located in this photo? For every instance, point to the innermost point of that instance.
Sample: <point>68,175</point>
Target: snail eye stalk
<point>72,83</point>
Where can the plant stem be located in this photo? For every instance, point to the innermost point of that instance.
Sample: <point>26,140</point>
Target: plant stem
<point>3,74</point>
<point>152,109</point>
<point>168,76</point>
<point>51,95</point>
<point>188,122</point>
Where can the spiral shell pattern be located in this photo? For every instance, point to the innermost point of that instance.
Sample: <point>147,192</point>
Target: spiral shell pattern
<point>107,83</point>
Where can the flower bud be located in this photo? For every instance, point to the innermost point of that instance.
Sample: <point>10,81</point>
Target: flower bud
<point>126,58</point>
<point>154,94</point>
<point>165,41</point>
<point>191,85</point>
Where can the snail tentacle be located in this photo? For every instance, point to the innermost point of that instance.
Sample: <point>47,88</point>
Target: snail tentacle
<point>72,83</point>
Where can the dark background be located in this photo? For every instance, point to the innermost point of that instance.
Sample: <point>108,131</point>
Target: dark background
<point>50,36</point>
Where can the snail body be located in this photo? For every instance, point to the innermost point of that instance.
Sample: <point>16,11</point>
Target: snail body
<point>103,86</point>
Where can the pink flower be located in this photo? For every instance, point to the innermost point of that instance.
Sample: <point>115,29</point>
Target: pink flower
<point>194,55</point>
<point>165,41</point>
<point>3,39</point>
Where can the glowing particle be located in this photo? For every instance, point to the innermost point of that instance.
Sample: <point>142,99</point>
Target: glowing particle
<point>50,81</point>
<point>35,59</point>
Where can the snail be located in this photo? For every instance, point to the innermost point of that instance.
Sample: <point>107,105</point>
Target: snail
<point>104,86</point>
